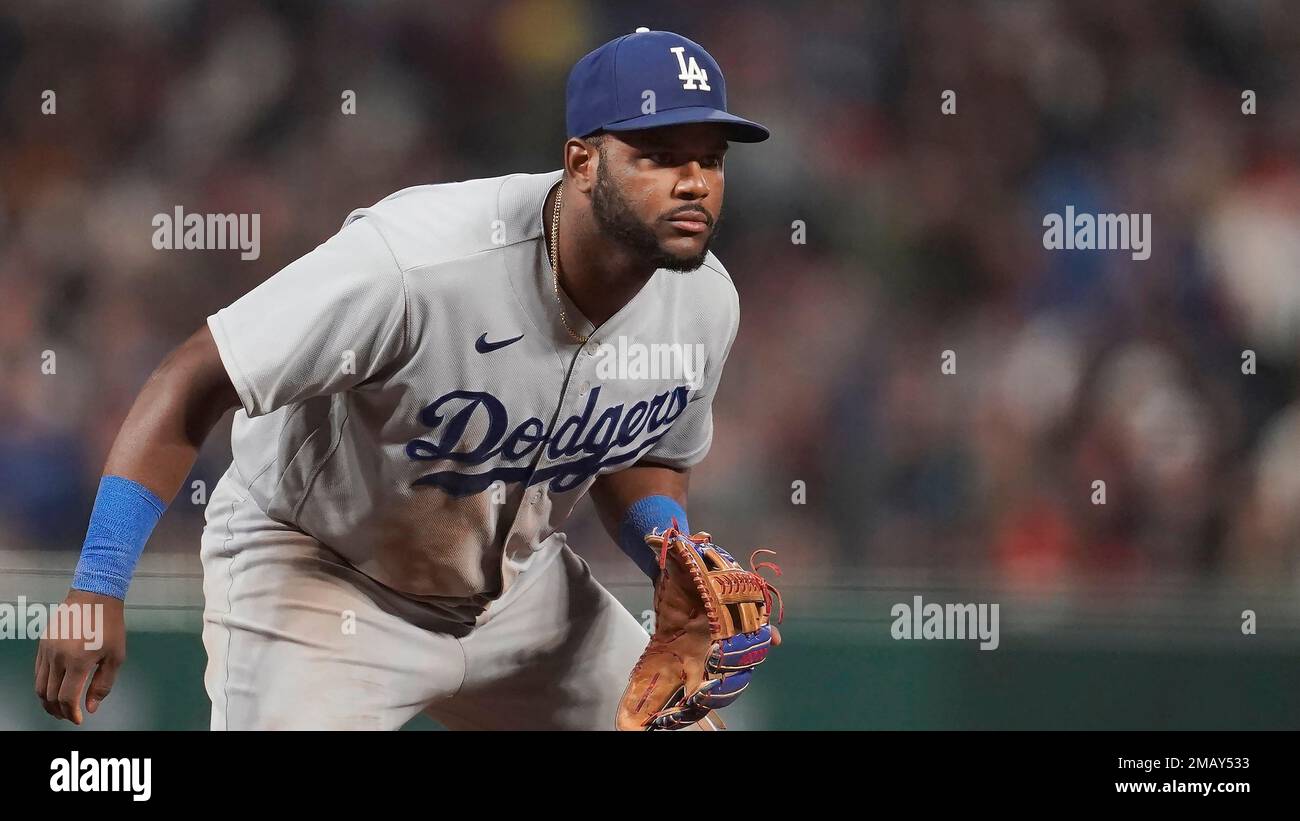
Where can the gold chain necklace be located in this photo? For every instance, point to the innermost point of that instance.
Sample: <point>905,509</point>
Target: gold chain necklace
<point>555,265</point>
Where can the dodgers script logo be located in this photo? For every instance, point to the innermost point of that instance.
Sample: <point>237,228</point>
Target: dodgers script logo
<point>584,446</point>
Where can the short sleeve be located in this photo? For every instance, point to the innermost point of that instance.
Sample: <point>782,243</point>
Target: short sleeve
<point>323,324</point>
<point>687,442</point>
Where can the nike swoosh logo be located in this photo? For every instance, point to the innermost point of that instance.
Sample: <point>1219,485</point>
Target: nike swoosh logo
<point>483,346</point>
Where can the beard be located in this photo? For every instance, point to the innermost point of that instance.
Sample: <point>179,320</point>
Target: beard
<point>618,221</point>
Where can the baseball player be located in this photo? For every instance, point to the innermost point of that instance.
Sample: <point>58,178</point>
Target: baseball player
<point>421,404</point>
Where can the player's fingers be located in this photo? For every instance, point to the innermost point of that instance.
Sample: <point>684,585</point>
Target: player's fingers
<point>776,636</point>
<point>42,676</point>
<point>101,684</point>
<point>74,682</point>
<point>52,684</point>
<point>50,707</point>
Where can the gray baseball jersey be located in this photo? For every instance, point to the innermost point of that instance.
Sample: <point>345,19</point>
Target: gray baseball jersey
<point>411,398</point>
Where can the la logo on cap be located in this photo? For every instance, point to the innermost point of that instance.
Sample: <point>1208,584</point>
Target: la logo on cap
<point>692,73</point>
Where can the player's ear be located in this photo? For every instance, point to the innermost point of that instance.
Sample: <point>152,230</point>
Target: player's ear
<point>581,159</point>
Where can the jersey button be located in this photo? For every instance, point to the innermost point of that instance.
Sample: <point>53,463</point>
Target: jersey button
<point>537,497</point>
<point>583,388</point>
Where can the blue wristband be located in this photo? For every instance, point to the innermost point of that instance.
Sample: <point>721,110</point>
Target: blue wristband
<point>643,516</point>
<point>125,514</point>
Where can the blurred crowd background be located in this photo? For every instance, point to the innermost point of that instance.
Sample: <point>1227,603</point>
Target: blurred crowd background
<point>923,235</point>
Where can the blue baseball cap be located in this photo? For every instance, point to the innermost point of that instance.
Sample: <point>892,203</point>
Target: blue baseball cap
<point>611,87</point>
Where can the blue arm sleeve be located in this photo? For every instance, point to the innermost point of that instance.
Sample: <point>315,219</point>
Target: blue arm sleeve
<point>124,515</point>
<point>643,516</point>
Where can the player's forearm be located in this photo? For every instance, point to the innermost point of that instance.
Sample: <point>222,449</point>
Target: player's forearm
<point>633,502</point>
<point>614,493</point>
<point>153,453</point>
<point>171,417</point>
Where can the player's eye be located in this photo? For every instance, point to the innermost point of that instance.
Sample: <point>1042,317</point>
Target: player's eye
<point>669,160</point>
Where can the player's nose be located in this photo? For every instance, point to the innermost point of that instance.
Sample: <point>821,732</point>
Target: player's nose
<point>692,183</point>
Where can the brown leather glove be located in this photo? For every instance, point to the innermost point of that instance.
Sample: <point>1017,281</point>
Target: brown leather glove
<point>711,630</point>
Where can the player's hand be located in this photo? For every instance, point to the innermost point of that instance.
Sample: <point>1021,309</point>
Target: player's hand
<point>90,642</point>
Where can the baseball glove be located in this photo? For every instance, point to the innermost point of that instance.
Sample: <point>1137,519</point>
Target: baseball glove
<point>711,631</point>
